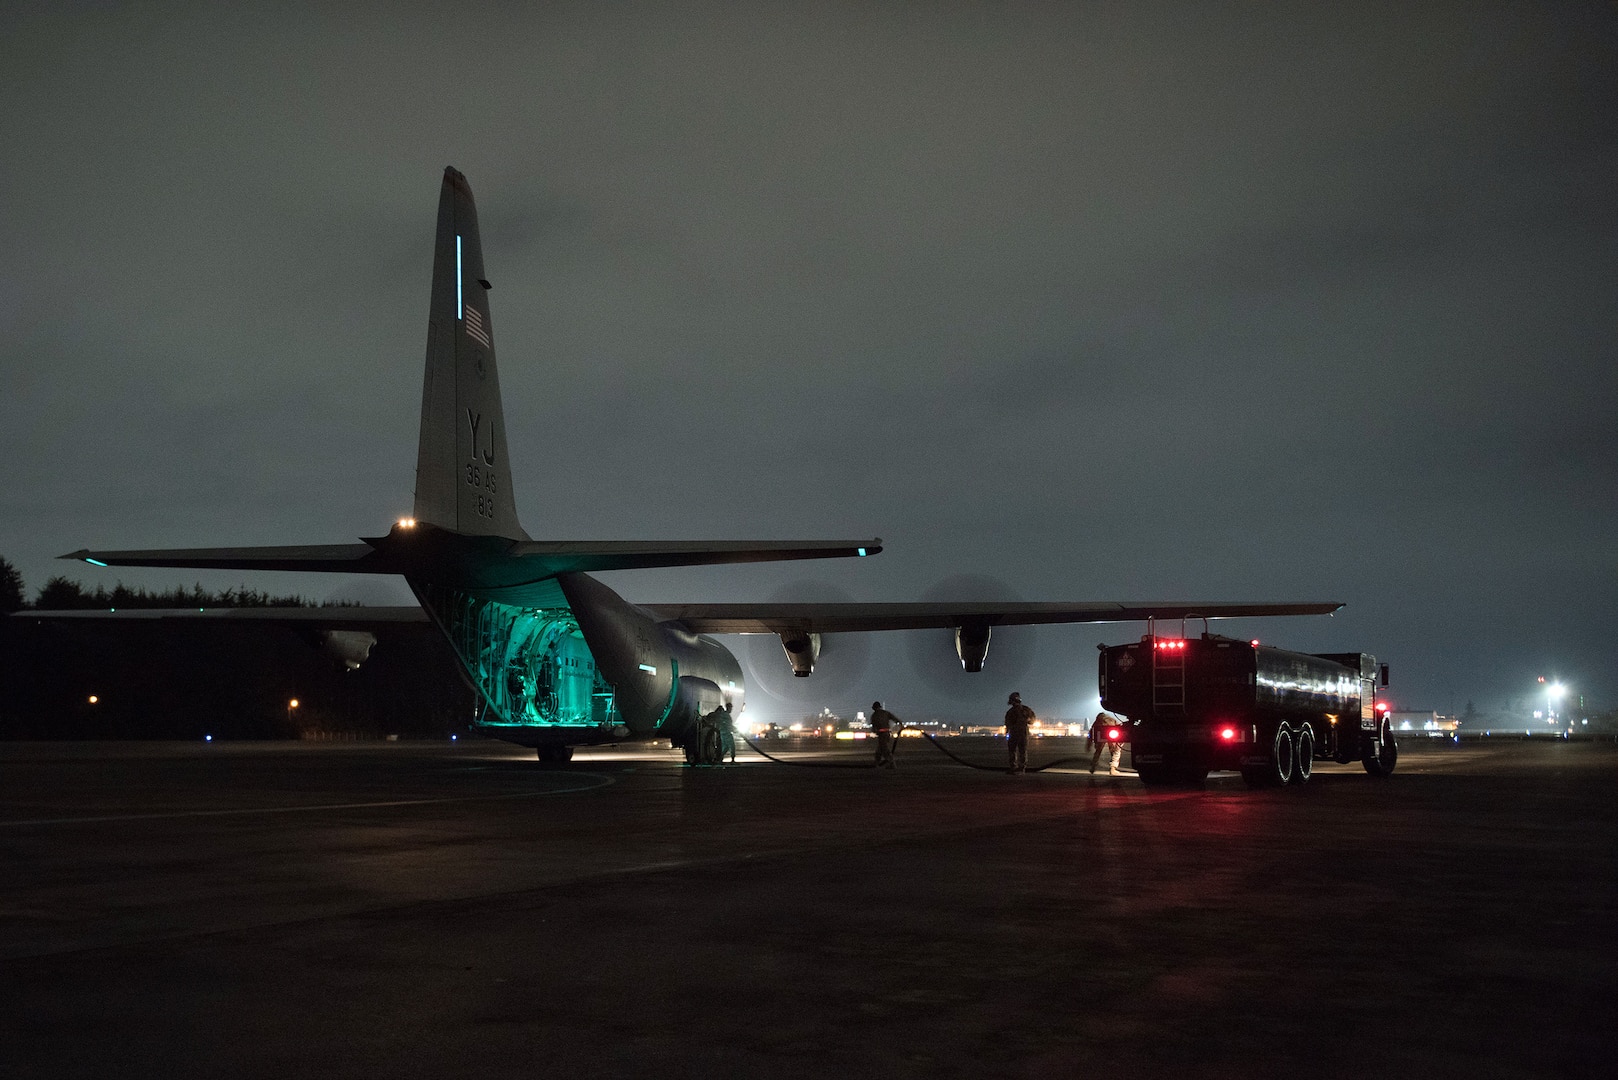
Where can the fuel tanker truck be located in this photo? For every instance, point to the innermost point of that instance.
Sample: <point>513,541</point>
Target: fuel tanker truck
<point>1201,704</point>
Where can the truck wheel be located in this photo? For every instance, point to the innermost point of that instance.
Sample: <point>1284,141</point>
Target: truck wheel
<point>1152,775</point>
<point>1380,756</point>
<point>555,755</point>
<point>1171,772</point>
<point>1305,757</point>
<point>1278,769</point>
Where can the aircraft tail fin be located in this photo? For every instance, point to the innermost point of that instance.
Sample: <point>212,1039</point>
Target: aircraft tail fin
<point>463,476</point>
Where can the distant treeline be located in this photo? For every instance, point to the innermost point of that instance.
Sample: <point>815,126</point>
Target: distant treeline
<point>184,679</point>
<point>143,679</point>
<point>64,594</point>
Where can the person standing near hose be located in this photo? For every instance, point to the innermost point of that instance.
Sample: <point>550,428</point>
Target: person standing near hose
<point>1018,717</point>
<point>1100,742</point>
<point>727,734</point>
<point>882,722</point>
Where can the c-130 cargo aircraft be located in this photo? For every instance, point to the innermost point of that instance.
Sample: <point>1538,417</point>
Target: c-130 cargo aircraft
<point>556,658</point>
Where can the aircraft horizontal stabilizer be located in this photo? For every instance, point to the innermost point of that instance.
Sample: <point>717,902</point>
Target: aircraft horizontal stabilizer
<point>573,556</point>
<point>339,558</point>
<point>848,618</point>
<point>482,561</point>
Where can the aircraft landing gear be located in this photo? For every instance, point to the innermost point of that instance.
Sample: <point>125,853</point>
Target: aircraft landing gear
<point>704,746</point>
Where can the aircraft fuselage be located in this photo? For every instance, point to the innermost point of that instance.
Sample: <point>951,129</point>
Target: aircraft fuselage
<point>572,662</point>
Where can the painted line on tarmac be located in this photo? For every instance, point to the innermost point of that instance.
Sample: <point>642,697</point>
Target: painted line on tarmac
<point>600,781</point>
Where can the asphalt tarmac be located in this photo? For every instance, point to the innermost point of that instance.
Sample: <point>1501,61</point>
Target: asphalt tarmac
<point>426,910</point>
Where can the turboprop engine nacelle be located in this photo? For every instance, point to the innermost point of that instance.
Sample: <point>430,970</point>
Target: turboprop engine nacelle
<point>802,651</point>
<point>350,648</point>
<point>972,646</point>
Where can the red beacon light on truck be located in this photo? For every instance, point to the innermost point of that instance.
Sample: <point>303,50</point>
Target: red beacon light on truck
<point>1383,707</point>
<point>1170,643</point>
<point>1227,733</point>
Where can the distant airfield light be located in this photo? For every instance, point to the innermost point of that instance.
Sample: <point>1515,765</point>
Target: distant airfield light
<point>1555,691</point>
<point>293,704</point>
<point>452,738</point>
<point>94,699</point>
<point>207,738</point>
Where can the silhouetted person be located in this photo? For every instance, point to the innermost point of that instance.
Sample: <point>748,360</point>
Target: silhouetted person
<point>1018,717</point>
<point>883,723</point>
<point>1099,742</point>
<point>727,733</point>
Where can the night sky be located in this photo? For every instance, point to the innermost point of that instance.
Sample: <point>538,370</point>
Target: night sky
<point>1083,302</point>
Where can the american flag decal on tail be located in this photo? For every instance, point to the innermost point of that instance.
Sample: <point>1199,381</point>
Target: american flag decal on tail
<point>474,327</point>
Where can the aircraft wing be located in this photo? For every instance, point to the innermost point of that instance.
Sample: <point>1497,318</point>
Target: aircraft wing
<point>336,617</point>
<point>845,618</point>
<point>341,558</point>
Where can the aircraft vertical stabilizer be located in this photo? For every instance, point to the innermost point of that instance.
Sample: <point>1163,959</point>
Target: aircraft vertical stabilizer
<point>463,477</point>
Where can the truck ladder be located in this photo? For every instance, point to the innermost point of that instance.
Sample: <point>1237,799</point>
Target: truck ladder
<point>1168,680</point>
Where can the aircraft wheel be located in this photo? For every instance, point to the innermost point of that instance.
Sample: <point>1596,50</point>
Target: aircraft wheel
<point>711,747</point>
<point>1381,756</point>
<point>1304,760</point>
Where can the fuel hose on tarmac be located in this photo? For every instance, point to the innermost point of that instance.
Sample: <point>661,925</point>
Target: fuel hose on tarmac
<point>810,764</point>
<point>872,765</point>
<point>993,768</point>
